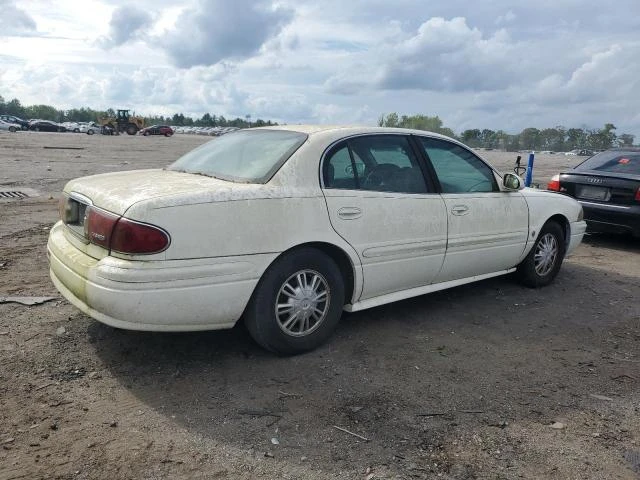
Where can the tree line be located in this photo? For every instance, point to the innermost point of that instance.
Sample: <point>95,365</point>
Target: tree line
<point>47,112</point>
<point>557,139</point>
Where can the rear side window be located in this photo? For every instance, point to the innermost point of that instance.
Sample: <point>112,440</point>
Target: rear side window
<point>614,162</point>
<point>458,170</point>
<point>249,156</point>
<point>381,163</point>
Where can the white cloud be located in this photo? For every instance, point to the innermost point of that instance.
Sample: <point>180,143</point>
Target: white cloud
<point>448,55</point>
<point>14,21</point>
<point>127,22</point>
<point>215,30</point>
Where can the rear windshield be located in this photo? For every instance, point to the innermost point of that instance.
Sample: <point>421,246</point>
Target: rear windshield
<point>615,162</point>
<point>249,156</point>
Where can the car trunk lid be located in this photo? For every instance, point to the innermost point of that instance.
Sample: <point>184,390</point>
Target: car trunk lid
<point>117,192</point>
<point>601,187</point>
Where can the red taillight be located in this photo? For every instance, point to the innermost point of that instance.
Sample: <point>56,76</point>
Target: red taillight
<point>138,238</point>
<point>554,183</point>
<point>637,197</point>
<point>123,235</point>
<point>98,226</point>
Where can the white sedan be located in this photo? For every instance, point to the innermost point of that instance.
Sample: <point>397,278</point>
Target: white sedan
<point>286,227</point>
<point>10,127</point>
<point>89,128</point>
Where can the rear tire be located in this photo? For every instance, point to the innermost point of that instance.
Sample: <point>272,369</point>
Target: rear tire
<point>297,303</point>
<point>543,262</point>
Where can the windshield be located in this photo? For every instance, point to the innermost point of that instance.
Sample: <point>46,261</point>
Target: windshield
<point>614,162</point>
<point>250,156</point>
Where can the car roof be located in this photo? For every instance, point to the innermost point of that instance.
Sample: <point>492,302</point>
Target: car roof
<point>348,130</point>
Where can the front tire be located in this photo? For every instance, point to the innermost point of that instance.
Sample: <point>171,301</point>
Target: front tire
<point>297,303</point>
<point>543,262</point>
<point>12,129</point>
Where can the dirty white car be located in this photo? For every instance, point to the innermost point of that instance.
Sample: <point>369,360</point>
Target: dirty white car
<point>89,128</point>
<point>286,227</point>
<point>10,127</point>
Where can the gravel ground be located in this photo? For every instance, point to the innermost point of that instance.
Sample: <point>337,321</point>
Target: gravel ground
<point>489,380</point>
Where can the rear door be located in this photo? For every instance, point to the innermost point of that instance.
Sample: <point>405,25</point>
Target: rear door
<point>379,201</point>
<point>488,228</point>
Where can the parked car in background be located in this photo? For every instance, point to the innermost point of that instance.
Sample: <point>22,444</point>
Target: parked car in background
<point>11,127</point>
<point>165,130</point>
<point>581,152</point>
<point>90,128</point>
<point>71,126</point>
<point>288,226</point>
<point>24,124</point>
<point>608,187</point>
<point>46,126</point>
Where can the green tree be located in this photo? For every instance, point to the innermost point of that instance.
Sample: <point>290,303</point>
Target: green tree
<point>552,138</point>
<point>472,137</point>
<point>626,140</point>
<point>14,107</point>
<point>390,120</point>
<point>602,139</point>
<point>576,138</point>
<point>416,122</point>
<point>530,138</point>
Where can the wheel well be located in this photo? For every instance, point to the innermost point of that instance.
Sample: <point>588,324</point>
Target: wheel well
<point>342,260</point>
<point>564,224</point>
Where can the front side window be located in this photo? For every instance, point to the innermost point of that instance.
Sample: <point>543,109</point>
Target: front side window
<point>458,170</point>
<point>249,156</point>
<point>381,163</point>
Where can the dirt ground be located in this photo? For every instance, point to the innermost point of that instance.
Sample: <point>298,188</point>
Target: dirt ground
<point>462,384</point>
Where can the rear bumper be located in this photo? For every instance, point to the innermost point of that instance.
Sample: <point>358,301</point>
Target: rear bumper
<point>612,218</point>
<point>177,295</point>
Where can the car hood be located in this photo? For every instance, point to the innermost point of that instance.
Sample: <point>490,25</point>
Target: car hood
<point>118,192</point>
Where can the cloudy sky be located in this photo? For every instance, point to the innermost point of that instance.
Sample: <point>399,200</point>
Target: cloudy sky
<point>500,64</point>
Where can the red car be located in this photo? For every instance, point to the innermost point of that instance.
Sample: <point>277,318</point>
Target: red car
<point>157,130</point>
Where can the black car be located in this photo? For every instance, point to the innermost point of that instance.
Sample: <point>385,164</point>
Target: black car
<point>608,187</point>
<point>17,120</point>
<point>46,126</point>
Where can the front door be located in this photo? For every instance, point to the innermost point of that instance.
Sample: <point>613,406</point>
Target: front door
<point>488,228</point>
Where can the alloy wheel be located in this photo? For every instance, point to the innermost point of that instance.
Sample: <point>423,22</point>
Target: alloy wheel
<point>302,303</point>
<point>546,253</point>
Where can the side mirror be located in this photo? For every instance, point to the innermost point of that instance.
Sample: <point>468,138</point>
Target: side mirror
<point>512,181</point>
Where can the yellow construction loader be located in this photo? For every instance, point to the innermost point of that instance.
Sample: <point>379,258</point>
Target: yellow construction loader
<point>122,122</point>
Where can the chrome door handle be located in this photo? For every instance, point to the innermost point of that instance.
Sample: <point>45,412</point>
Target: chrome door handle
<point>349,213</point>
<point>460,210</point>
